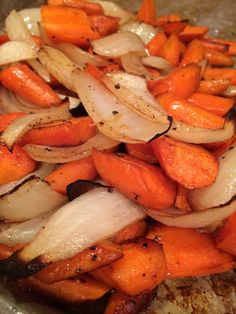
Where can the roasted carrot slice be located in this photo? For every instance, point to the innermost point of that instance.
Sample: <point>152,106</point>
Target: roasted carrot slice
<point>144,183</point>
<point>14,165</point>
<point>220,73</point>
<point>231,44</point>
<point>147,12</point>
<point>6,251</point>
<point>218,58</point>
<point>141,151</point>
<point>138,229</point>
<point>155,45</point>
<point>188,164</point>
<point>189,253</point>
<point>181,201</point>
<point>141,268</point>
<point>171,50</point>
<point>74,131</point>
<point>102,253</point>
<point>3,39</point>
<point>168,18</point>
<point>215,104</point>
<point>104,25</point>
<point>191,32</point>
<point>224,146</point>
<point>20,79</point>
<point>213,87</point>
<point>226,236</point>
<point>194,53</point>
<point>174,27</point>
<point>60,178</point>
<point>214,46</point>
<point>89,7</point>
<point>67,24</point>
<point>8,118</point>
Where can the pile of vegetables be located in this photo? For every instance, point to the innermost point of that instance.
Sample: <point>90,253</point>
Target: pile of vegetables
<point>107,119</point>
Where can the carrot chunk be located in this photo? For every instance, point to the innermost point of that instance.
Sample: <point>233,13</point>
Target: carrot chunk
<point>167,18</point>
<point>226,236</point>
<point>104,25</point>
<point>141,151</point>
<point>213,87</point>
<point>171,50</point>
<point>220,73</point>
<point>8,118</point>
<point>138,229</point>
<point>174,27</point>
<point>194,53</point>
<point>181,201</point>
<point>218,58</point>
<point>89,7</point>
<point>147,12</point>
<point>191,32</point>
<point>155,45</point>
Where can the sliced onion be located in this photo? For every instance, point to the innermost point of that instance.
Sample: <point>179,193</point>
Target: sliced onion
<point>111,116</point>
<point>73,101</point>
<point>31,18</point>
<point>230,91</point>
<point>118,44</point>
<point>79,56</point>
<point>24,232</point>
<point>223,189</point>
<point>41,172</point>
<point>66,154</point>
<point>13,51</point>
<point>21,125</point>
<point>91,217</point>
<point>30,199</point>
<point>40,70</point>
<point>132,63</point>
<point>195,219</point>
<point>157,63</point>
<point>145,31</point>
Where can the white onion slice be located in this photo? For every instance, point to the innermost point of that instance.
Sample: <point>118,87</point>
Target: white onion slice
<point>157,63</point>
<point>197,219</point>
<point>132,63</point>
<point>223,189</point>
<point>73,101</point>
<point>30,199</point>
<point>24,232</point>
<point>110,115</point>
<point>66,154</point>
<point>145,31</point>
<point>40,70</point>
<point>118,44</point>
<point>91,217</point>
<point>13,51</point>
<point>21,125</point>
<point>31,18</point>
<point>79,56</point>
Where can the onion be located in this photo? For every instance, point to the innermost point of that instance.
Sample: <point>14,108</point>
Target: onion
<point>21,125</point>
<point>31,18</point>
<point>145,31</point>
<point>40,70</point>
<point>24,232</point>
<point>13,51</point>
<point>111,116</point>
<point>79,56</point>
<point>132,63</point>
<point>91,217</point>
<point>30,199</point>
<point>118,44</point>
<point>157,63</point>
<point>230,91</point>
<point>66,154</point>
<point>223,189</point>
<point>196,219</point>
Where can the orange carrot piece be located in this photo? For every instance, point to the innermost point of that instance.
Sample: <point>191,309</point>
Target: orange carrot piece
<point>95,71</point>
<point>147,12</point>
<point>194,53</point>
<point>226,236</point>
<point>181,201</point>
<point>14,165</point>
<point>144,183</point>
<point>167,18</point>
<point>155,45</point>
<point>171,50</point>
<point>174,27</point>
<point>158,87</point>
<point>188,164</point>
<point>8,118</point>
<point>89,7</point>
<point>141,151</point>
<point>20,79</point>
<point>215,104</point>
<point>3,39</point>
<point>187,112</point>
<point>83,169</point>
<point>74,131</point>
<point>136,230</point>
<point>104,25</point>
<point>231,44</point>
<point>6,251</point>
<point>218,148</point>
<point>218,58</point>
<point>191,32</point>
<point>141,268</point>
<point>220,73</point>
<point>68,24</point>
<point>189,253</point>
<point>214,46</point>
<point>213,87</point>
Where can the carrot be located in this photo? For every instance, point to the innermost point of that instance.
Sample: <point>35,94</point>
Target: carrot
<point>226,236</point>
<point>194,53</point>
<point>174,27</point>
<point>185,111</point>
<point>191,32</point>
<point>8,118</point>
<point>95,71</point>
<point>3,39</point>
<point>89,7</point>
<point>218,58</point>
<point>141,268</point>
<point>213,87</point>
<point>231,44</point>
<point>144,183</point>
<point>214,46</point>
<point>181,201</point>
<point>215,104</point>
<point>188,164</point>
<point>141,151</point>
<point>224,146</point>
<point>68,24</point>
<point>158,87</point>
<point>20,79</point>
<point>189,253</point>
<point>171,50</point>
<point>167,18</point>
<point>6,251</point>
<point>138,229</point>
<point>14,165</point>
<point>69,291</point>
<point>82,169</point>
<point>74,131</point>
<point>100,254</point>
<point>155,45</point>
<point>104,25</point>
<point>147,12</point>
<point>220,73</point>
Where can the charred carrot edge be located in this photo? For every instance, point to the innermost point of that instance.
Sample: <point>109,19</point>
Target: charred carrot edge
<point>167,18</point>
<point>191,32</point>
<point>20,79</point>
<point>8,118</point>
<point>147,12</point>
<point>213,87</point>
<point>194,53</point>
<point>89,7</point>
<point>174,27</point>
<point>141,151</point>
<point>218,58</point>
<point>171,50</point>
<point>131,232</point>
<point>190,165</point>
<point>155,45</point>
<point>181,201</point>
<point>220,73</point>
<point>226,236</point>
<point>189,253</point>
<point>104,25</point>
